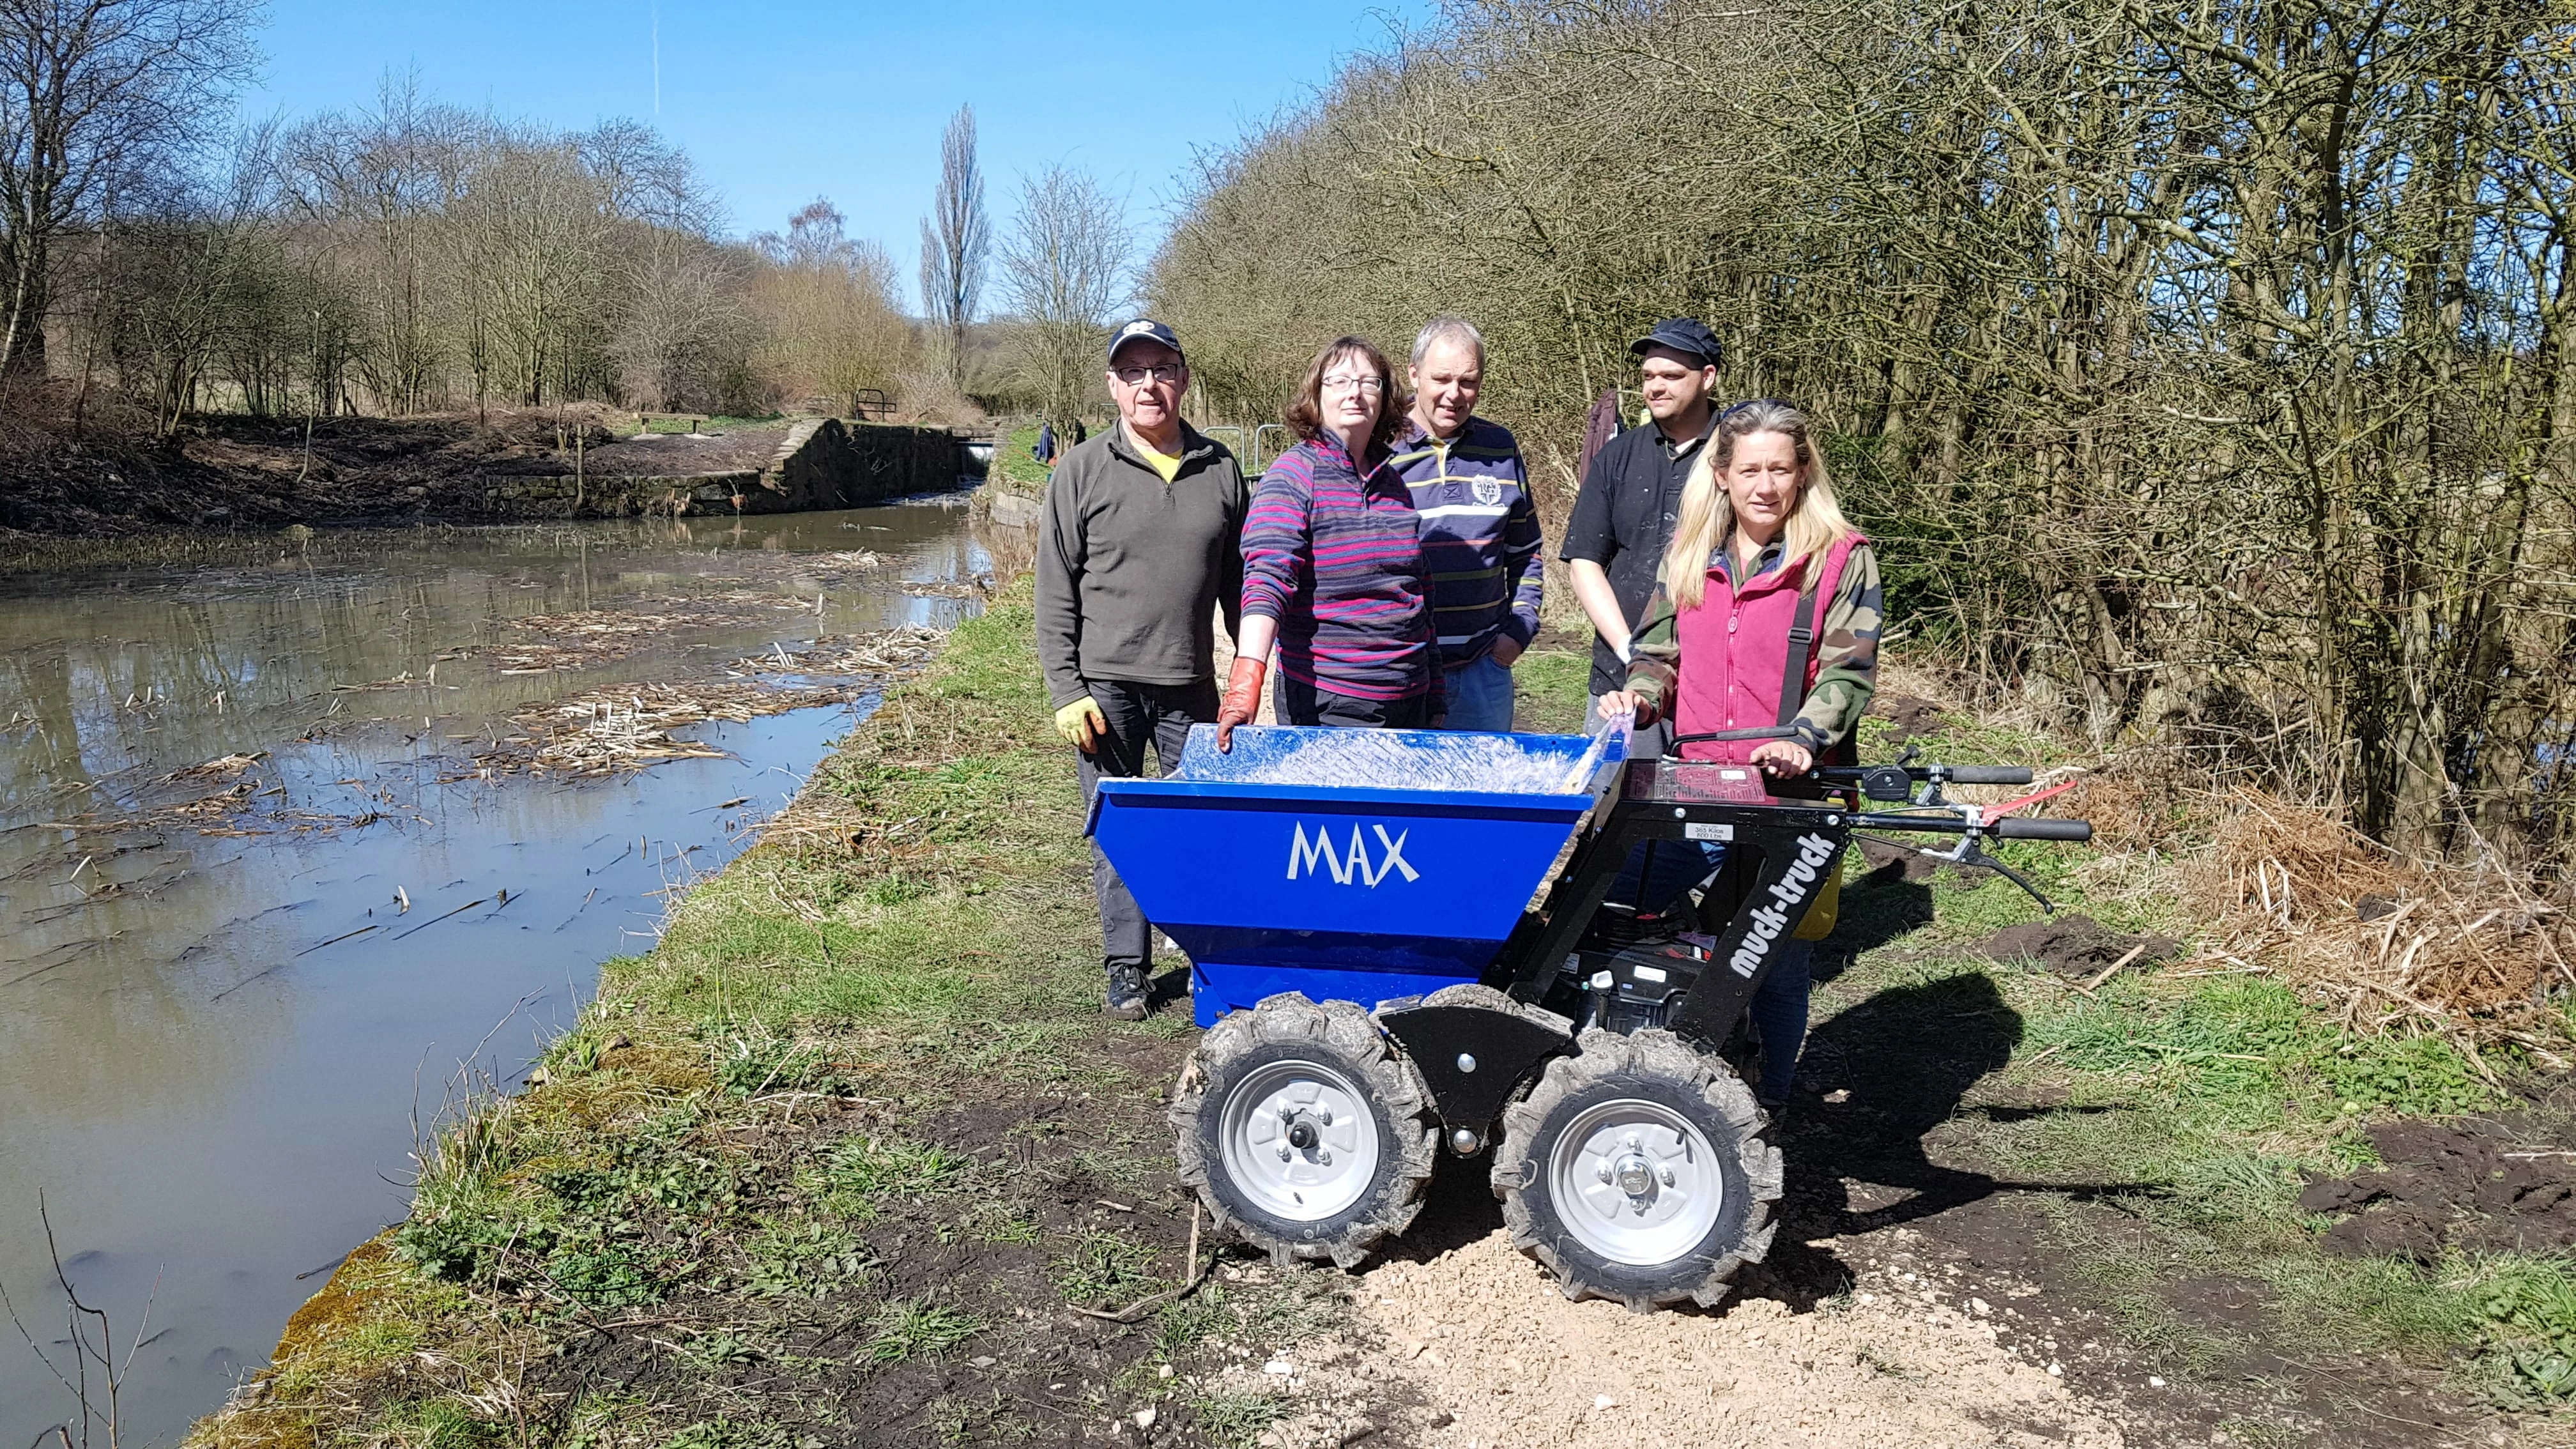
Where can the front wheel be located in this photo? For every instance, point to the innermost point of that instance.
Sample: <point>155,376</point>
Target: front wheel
<point>1636,1171</point>
<point>1302,1132</point>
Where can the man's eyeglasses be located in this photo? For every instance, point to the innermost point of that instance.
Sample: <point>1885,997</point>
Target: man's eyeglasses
<point>1355,384</point>
<point>1159,372</point>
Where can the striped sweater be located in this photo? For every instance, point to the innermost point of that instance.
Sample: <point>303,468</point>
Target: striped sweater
<point>1479,536</point>
<point>1336,558</point>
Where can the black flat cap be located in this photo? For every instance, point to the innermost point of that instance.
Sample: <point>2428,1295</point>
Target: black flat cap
<point>1683,334</point>
<point>1145,329</point>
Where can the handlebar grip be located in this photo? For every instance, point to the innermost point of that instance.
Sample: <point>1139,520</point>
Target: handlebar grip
<point>1990,774</point>
<point>2013,827</point>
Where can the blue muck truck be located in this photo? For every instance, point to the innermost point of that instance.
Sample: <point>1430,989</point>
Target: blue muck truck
<point>1403,939</point>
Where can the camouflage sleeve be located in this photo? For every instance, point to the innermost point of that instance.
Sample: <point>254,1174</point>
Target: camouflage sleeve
<point>1846,655</point>
<point>1655,654</point>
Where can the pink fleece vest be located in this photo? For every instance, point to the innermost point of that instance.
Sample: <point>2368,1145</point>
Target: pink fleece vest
<point>1735,650</point>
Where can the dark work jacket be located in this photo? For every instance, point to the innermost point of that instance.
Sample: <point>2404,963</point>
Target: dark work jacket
<point>1622,518</point>
<point>1131,569</point>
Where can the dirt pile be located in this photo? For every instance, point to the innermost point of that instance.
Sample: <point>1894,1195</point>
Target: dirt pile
<point>1913,716</point>
<point>2481,1185</point>
<point>1886,864</point>
<point>113,476</point>
<point>2076,945</point>
<point>1506,1361</point>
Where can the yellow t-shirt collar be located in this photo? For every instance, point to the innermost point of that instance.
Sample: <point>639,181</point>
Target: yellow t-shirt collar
<point>1167,464</point>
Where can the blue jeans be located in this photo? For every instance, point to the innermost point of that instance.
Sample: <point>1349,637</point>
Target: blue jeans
<point>1480,696</point>
<point>1779,1007</point>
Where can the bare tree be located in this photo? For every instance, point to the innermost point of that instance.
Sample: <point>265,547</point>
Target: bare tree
<point>956,240</point>
<point>2206,375</point>
<point>529,243</point>
<point>645,178</point>
<point>684,314</point>
<point>97,96</point>
<point>370,191</point>
<point>827,307</point>
<point>1064,267</point>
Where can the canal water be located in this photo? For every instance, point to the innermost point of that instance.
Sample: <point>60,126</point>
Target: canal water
<point>207,1081</point>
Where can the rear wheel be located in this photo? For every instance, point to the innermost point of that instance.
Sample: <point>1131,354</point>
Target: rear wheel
<point>1303,1132</point>
<point>1636,1171</point>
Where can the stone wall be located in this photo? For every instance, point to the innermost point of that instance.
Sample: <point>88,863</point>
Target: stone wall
<point>821,463</point>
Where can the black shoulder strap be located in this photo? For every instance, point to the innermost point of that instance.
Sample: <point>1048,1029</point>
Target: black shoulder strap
<point>1802,647</point>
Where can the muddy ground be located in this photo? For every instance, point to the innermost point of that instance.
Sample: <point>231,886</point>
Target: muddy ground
<point>2484,1184</point>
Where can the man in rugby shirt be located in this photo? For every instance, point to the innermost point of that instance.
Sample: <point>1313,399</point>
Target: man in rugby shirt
<point>1480,536</point>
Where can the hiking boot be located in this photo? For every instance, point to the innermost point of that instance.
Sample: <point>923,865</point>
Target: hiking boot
<point>1126,1001</point>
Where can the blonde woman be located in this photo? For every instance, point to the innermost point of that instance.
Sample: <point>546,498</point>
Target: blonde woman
<point>1766,612</point>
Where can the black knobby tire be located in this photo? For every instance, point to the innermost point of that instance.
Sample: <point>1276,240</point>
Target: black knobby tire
<point>1647,1085</point>
<point>1264,1054</point>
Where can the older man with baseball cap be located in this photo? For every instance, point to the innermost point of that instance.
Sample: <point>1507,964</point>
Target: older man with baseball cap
<point>1139,547</point>
<point>1623,514</point>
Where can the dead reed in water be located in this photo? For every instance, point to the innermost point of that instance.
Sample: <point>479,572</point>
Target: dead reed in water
<point>883,654</point>
<point>629,726</point>
<point>243,808</point>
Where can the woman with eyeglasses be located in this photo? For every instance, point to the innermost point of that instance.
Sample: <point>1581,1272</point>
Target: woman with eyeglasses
<point>1766,614</point>
<point>1332,564</point>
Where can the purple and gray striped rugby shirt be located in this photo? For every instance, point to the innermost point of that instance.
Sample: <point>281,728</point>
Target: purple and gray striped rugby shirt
<point>1479,536</point>
<point>1336,557</point>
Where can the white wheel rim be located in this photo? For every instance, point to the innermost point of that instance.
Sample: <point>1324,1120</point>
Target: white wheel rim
<point>1300,1141</point>
<point>1636,1182</point>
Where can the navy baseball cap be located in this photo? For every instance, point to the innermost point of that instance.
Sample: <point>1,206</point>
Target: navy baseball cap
<point>1683,334</point>
<point>1143,329</point>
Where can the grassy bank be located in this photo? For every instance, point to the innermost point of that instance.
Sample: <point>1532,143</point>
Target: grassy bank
<point>837,1161</point>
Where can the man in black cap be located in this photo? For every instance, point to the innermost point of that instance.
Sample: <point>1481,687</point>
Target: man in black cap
<point>1623,516</point>
<point>1139,548</point>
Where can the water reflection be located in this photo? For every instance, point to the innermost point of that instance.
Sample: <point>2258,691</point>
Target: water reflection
<point>208,1043</point>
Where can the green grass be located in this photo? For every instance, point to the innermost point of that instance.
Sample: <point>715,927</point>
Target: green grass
<point>1105,1270</point>
<point>919,1328</point>
<point>1236,1418</point>
<point>728,1434</point>
<point>808,1259</point>
<point>1555,688</point>
<point>1014,464</point>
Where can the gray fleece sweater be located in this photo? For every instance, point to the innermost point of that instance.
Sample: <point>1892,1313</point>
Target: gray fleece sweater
<point>1128,565</point>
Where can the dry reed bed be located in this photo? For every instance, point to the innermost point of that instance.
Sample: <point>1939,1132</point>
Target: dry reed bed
<point>2467,950</point>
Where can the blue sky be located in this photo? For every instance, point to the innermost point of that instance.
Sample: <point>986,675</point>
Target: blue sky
<point>781,102</point>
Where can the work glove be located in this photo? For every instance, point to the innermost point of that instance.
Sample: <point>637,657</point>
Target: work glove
<point>1242,702</point>
<point>1082,724</point>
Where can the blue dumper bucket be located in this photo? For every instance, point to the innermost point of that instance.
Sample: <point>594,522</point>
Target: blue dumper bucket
<point>1354,865</point>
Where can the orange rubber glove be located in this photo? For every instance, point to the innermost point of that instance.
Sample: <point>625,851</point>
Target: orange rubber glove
<point>1242,702</point>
